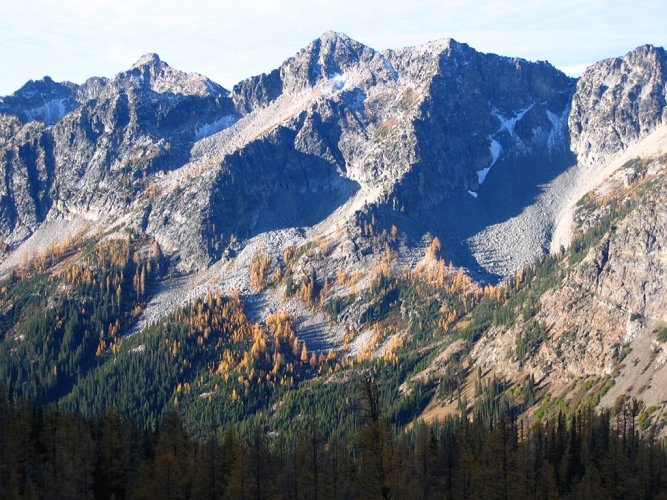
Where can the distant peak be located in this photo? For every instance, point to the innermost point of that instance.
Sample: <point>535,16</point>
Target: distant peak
<point>637,58</point>
<point>336,39</point>
<point>648,50</point>
<point>45,85</point>
<point>442,44</point>
<point>150,59</point>
<point>333,35</point>
<point>645,48</point>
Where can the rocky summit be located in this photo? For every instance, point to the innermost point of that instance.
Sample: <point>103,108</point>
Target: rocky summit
<point>494,179</point>
<point>437,138</point>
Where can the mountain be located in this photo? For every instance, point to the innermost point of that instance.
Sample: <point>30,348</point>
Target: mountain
<point>340,118</point>
<point>442,215</point>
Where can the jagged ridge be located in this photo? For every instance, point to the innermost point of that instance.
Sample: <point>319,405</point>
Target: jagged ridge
<point>437,138</point>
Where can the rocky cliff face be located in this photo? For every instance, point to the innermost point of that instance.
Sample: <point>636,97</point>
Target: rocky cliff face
<point>351,157</point>
<point>481,109</point>
<point>599,318</point>
<point>108,137</point>
<point>405,133</point>
<point>617,102</point>
<point>438,138</point>
<point>44,100</point>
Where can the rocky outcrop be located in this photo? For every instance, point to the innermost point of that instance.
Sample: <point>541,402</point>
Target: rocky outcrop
<point>480,110</point>
<point>27,183</point>
<point>42,100</point>
<point>601,314</point>
<point>94,159</point>
<point>438,138</point>
<point>617,102</point>
<point>342,141</point>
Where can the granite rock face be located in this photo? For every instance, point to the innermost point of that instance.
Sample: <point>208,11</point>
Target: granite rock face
<point>618,101</point>
<point>342,142</point>
<point>112,135</point>
<point>615,293</point>
<point>601,315</point>
<point>438,138</point>
<point>43,100</point>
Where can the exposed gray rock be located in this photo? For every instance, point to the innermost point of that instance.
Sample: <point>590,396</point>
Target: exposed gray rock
<point>617,102</point>
<point>602,319</point>
<point>96,159</point>
<point>42,100</point>
<point>438,138</point>
<point>341,142</point>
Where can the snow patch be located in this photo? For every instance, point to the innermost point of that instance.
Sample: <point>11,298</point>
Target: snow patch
<point>391,68</point>
<point>508,124</point>
<point>50,112</point>
<point>481,174</point>
<point>337,81</point>
<point>472,193</point>
<point>211,128</point>
<point>495,149</point>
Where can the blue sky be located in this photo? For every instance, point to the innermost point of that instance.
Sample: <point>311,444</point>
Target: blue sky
<point>231,40</point>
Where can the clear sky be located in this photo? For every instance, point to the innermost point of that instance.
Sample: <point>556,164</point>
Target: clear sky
<point>231,40</point>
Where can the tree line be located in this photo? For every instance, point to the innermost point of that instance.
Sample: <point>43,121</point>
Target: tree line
<point>49,453</point>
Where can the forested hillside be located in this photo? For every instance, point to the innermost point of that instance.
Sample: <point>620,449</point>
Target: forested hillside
<point>50,454</point>
<point>406,273</point>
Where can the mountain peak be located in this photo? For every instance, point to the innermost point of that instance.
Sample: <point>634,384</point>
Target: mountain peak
<point>43,100</point>
<point>647,49</point>
<point>334,42</point>
<point>330,54</point>
<point>153,73</point>
<point>647,53</point>
<point>640,56</point>
<point>331,35</point>
<point>442,43</point>
<point>335,172</point>
<point>150,59</point>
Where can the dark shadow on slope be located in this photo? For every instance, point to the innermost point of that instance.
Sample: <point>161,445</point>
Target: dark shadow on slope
<point>473,100</point>
<point>510,187</point>
<point>271,185</point>
<point>305,207</point>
